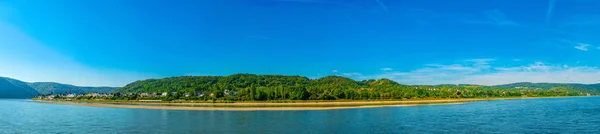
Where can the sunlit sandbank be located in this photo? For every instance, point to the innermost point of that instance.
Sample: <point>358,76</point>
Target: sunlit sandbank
<point>273,106</point>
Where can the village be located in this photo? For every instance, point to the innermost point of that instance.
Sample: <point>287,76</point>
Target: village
<point>138,95</point>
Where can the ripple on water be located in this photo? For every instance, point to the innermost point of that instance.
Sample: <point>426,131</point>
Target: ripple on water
<point>562,115</point>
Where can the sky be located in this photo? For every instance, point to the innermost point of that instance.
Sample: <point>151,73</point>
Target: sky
<point>487,42</point>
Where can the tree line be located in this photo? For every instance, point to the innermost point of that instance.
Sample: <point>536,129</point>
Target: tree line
<point>242,87</point>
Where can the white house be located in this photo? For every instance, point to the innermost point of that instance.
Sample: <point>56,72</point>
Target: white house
<point>226,92</point>
<point>71,95</point>
<point>144,94</point>
<point>200,93</point>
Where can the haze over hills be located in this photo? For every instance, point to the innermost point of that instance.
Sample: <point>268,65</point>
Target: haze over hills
<point>58,88</point>
<point>15,89</point>
<point>529,85</point>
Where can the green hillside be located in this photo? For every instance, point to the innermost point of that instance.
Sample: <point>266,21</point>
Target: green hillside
<point>279,87</point>
<point>15,89</point>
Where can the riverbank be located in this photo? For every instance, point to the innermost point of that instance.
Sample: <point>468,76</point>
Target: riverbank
<point>270,106</point>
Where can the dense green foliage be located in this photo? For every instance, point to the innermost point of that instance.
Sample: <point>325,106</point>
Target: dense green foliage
<point>11,88</point>
<point>278,87</point>
<point>58,88</point>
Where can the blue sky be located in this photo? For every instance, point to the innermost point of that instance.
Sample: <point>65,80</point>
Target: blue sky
<point>115,42</point>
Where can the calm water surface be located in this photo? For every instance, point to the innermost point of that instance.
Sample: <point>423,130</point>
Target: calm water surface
<point>562,115</point>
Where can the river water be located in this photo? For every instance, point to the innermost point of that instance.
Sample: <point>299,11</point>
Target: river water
<point>556,115</point>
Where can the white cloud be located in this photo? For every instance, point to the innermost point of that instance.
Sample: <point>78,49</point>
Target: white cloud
<point>23,58</point>
<point>578,45</point>
<point>484,74</point>
<point>582,74</point>
<point>382,5</point>
<point>352,74</point>
<point>334,71</point>
<point>509,68</point>
<point>582,46</point>
<point>453,67</point>
<point>549,11</point>
<point>386,69</point>
<point>480,61</point>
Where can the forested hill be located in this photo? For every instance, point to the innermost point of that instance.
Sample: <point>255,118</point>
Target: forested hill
<point>58,88</point>
<point>529,85</point>
<point>15,89</point>
<point>214,83</point>
<point>274,87</point>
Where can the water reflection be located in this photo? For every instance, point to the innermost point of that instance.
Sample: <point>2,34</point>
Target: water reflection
<point>572,115</point>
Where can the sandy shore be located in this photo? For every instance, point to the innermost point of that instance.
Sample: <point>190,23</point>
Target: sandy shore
<point>261,106</point>
<point>269,106</point>
<point>242,108</point>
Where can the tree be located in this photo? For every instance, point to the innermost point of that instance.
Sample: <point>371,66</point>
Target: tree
<point>278,87</point>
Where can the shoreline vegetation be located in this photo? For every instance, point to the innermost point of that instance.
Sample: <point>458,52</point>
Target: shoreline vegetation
<point>273,106</point>
<point>297,92</point>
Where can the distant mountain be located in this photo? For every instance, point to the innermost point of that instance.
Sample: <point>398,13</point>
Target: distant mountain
<point>528,85</point>
<point>15,89</point>
<point>58,88</point>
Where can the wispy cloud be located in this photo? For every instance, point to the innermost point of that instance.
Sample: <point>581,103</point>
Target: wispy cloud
<point>484,73</point>
<point>577,45</point>
<point>493,17</point>
<point>537,73</point>
<point>352,74</point>
<point>334,71</point>
<point>382,5</point>
<point>386,69</point>
<point>451,67</point>
<point>549,11</point>
<point>582,46</point>
<point>481,62</point>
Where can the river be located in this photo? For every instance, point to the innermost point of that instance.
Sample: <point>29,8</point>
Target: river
<point>547,115</point>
